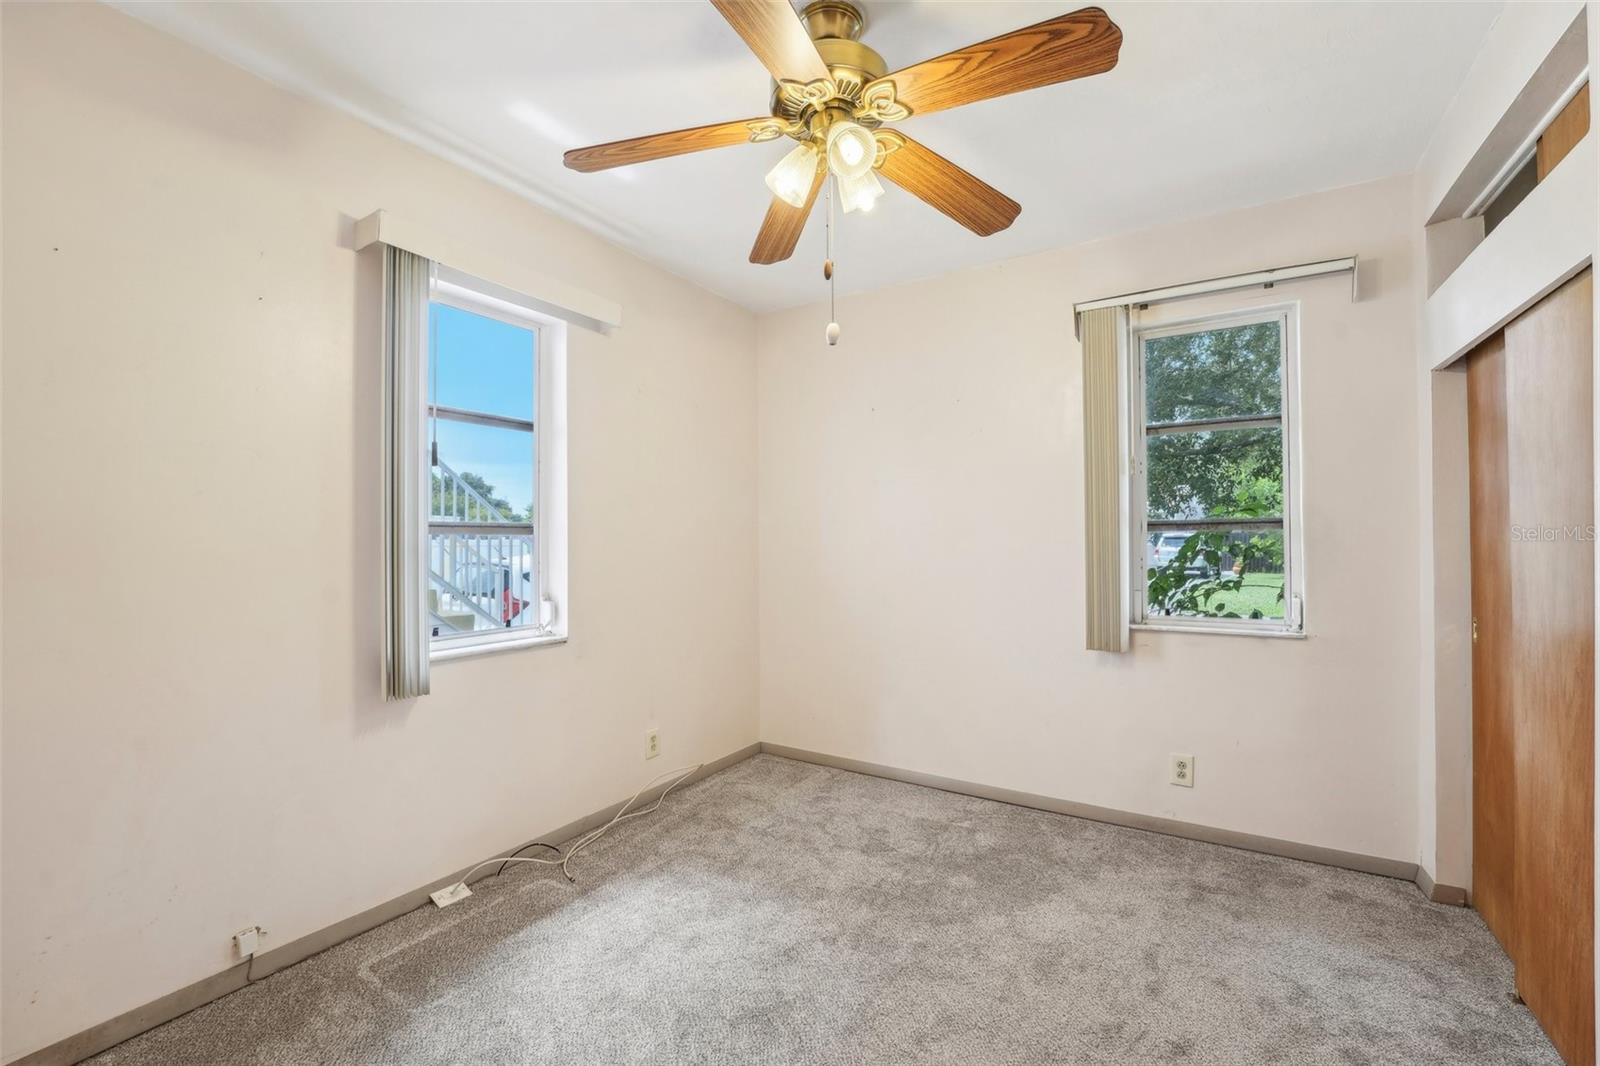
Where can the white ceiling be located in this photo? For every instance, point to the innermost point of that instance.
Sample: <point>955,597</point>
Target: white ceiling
<point>1213,106</point>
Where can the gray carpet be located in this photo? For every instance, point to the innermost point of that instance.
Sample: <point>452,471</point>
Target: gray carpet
<point>783,913</point>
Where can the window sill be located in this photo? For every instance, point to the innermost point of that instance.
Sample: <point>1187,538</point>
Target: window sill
<point>489,647</point>
<point>1220,631</point>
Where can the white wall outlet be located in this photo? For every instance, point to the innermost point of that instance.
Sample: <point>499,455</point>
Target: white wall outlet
<point>1181,771</point>
<point>450,894</point>
<point>652,743</point>
<point>246,942</point>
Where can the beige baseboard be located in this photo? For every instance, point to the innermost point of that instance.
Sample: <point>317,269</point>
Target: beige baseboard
<point>110,1033</point>
<point>1447,894</point>
<point>1349,860</point>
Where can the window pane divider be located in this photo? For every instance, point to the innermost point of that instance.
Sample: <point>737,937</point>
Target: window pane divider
<point>450,525</point>
<point>1157,429</point>
<point>481,418</point>
<point>1214,522</point>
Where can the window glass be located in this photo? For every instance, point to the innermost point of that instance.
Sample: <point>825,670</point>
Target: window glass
<point>1213,472</point>
<point>1216,572</point>
<point>1214,373</point>
<point>495,462</point>
<point>481,363</point>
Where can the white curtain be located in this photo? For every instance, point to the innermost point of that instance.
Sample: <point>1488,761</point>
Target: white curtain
<point>1104,332</point>
<point>406,485</point>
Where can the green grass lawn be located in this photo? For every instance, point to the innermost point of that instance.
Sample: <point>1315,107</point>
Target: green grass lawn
<point>1258,593</point>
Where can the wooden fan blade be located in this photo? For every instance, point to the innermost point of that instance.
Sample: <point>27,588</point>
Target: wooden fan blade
<point>935,180</point>
<point>659,146</point>
<point>780,230</point>
<point>1074,45</point>
<point>774,33</point>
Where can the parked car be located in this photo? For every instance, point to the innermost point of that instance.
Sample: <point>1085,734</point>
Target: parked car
<point>514,585</point>
<point>1164,545</point>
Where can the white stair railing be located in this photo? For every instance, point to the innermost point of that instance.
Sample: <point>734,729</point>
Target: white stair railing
<point>454,499</point>
<point>477,556</point>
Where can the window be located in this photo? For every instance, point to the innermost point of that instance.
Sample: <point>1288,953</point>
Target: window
<point>489,579</point>
<point>1213,495</point>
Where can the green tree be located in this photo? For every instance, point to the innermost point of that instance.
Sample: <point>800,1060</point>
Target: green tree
<point>464,507</point>
<point>1218,373</point>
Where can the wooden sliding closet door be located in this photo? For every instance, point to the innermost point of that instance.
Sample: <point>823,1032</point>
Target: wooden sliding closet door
<point>1493,729</point>
<point>1549,361</point>
<point>1531,454</point>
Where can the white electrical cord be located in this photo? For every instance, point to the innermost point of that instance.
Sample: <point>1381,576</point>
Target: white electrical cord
<point>680,775</point>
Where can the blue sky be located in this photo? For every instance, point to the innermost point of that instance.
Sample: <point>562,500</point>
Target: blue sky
<point>484,364</point>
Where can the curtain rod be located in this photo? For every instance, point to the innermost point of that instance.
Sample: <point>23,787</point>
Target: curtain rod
<point>1525,151</point>
<point>1265,278</point>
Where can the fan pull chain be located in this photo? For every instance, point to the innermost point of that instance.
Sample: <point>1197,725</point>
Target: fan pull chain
<point>832,332</point>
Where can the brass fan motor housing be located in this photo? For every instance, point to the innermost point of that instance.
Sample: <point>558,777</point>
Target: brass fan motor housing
<point>835,27</point>
<point>851,61</point>
<point>833,18</point>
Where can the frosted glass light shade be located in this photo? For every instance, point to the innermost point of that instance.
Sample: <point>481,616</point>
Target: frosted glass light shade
<point>859,194</point>
<point>851,149</point>
<point>790,181</point>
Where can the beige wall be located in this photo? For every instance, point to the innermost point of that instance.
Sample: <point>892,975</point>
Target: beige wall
<point>921,550</point>
<point>194,736</point>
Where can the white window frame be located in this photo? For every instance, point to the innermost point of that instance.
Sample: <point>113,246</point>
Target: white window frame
<point>1293,622</point>
<point>462,291</point>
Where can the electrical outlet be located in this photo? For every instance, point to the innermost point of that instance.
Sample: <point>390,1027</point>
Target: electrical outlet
<point>652,743</point>
<point>246,942</point>
<point>450,894</point>
<point>1181,771</point>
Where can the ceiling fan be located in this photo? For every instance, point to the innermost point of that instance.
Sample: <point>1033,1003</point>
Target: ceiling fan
<point>833,94</point>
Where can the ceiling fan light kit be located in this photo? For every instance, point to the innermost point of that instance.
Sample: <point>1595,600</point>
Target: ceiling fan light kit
<point>790,180</point>
<point>859,194</point>
<point>833,94</point>
<point>851,149</point>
